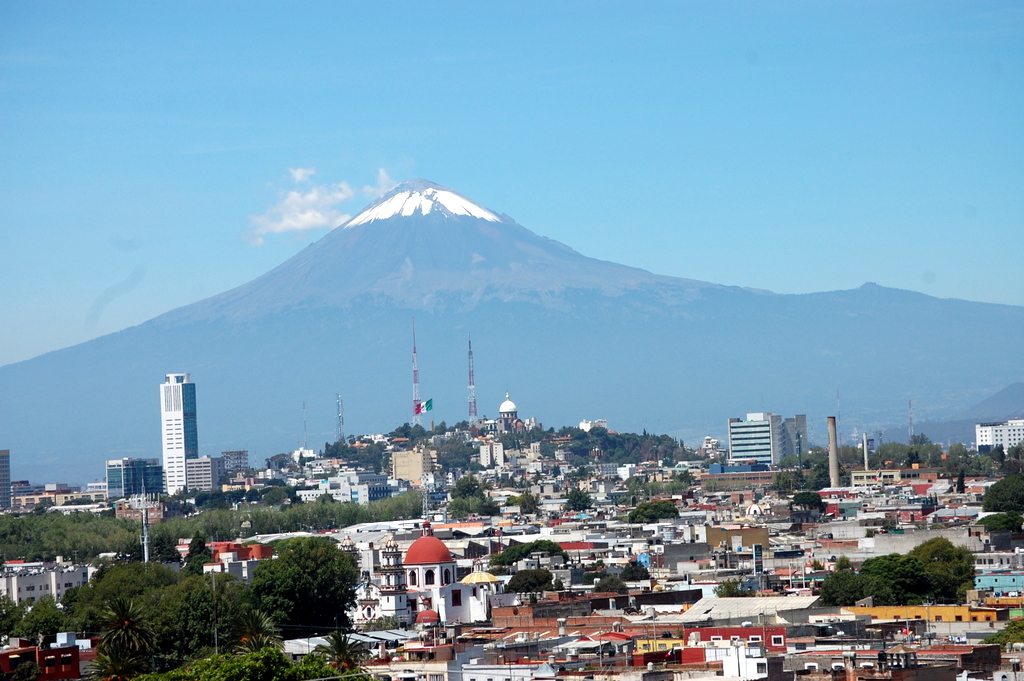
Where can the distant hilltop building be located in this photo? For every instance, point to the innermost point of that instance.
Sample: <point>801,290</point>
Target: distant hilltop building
<point>766,438</point>
<point>236,461</point>
<point>178,431</point>
<point>508,420</point>
<point>586,425</point>
<point>988,436</point>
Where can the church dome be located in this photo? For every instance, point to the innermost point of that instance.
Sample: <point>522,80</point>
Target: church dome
<point>427,617</point>
<point>507,406</point>
<point>428,550</point>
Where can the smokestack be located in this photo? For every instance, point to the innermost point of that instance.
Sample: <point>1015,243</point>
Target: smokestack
<point>833,453</point>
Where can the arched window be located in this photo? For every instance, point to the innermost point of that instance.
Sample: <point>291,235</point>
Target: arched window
<point>412,578</point>
<point>447,576</point>
<point>428,577</point>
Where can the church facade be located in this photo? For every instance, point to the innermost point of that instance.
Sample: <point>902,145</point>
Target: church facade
<point>422,584</point>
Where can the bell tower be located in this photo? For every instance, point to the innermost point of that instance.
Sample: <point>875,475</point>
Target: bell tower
<point>394,601</point>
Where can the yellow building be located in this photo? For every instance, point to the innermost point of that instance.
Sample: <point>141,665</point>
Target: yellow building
<point>931,613</point>
<point>412,464</point>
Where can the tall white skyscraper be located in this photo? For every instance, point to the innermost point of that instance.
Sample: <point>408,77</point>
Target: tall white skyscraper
<point>178,429</point>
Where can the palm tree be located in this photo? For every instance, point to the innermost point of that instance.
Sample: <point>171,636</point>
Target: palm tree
<point>341,651</point>
<point>255,630</point>
<point>114,662</point>
<point>125,628</point>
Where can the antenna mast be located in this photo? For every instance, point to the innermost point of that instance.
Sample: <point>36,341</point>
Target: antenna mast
<point>910,422</point>
<point>305,438</point>
<point>472,386</point>
<point>341,419</point>
<point>415,380</point>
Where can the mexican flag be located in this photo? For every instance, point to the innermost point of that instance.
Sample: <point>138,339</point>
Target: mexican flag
<point>425,406</point>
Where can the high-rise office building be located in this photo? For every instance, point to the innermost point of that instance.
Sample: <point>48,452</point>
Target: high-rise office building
<point>126,477</point>
<point>178,429</point>
<point>5,479</point>
<point>766,438</point>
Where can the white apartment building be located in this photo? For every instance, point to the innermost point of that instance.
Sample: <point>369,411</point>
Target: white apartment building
<point>178,432</point>
<point>29,582</point>
<point>987,436</point>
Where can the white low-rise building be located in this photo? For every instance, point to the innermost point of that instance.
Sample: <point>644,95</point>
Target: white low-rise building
<point>29,582</point>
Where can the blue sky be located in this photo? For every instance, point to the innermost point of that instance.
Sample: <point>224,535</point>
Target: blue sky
<point>147,150</point>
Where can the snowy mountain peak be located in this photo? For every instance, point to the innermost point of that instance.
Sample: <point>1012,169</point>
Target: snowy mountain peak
<point>421,196</point>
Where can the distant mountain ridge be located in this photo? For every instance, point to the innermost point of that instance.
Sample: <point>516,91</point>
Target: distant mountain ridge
<point>570,337</point>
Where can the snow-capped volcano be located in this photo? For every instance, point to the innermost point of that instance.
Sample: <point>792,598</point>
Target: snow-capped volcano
<point>421,196</point>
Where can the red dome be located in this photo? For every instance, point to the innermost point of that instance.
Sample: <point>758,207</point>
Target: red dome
<point>428,550</point>
<point>427,617</point>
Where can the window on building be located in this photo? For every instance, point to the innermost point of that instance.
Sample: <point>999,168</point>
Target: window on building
<point>778,641</point>
<point>662,646</point>
<point>457,597</point>
<point>755,639</point>
<point>938,618</point>
<point>959,618</point>
<point>428,577</point>
<point>436,677</point>
<point>412,578</point>
<point>762,667</point>
<point>447,576</point>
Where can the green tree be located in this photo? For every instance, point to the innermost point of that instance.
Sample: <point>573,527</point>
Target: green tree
<point>187,615</point>
<point>950,568</point>
<point>732,588</point>
<point>611,584</point>
<point>1013,633</point>
<point>577,500</point>
<point>807,501</point>
<point>653,511</point>
<point>139,581</point>
<point>254,630</point>
<point>10,614</point>
<point>43,619</point>
<point>527,503</point>
<point>198,556</point>
<point>341,652</point>
<point>529,581</point>
<point>26,671</point>
<point>117,663</point>
<point>126,626</point>
<point>269,664</point>
<point>843,563</point>
<point>515,553</point>
<point>1006,495</point>
<point>311,583</point>
<point>906,576</point>
<point>1011,521</point>
<point>635,572</point>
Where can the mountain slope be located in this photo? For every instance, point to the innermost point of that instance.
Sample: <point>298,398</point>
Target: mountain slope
<point>570,337</point>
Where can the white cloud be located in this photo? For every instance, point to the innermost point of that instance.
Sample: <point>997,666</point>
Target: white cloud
<point>302,174</point>
<point>383,186</point>
<point>300,211</point>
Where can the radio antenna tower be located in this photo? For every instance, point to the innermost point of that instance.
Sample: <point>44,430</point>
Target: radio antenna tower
<point>910,422</point>
<point>143,502</point>
<point>415,380</point>
<point>341,419</point>
<point>472,386</point>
